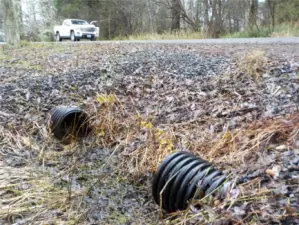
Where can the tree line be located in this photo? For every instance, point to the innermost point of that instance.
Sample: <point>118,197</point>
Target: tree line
<point>34,19</point>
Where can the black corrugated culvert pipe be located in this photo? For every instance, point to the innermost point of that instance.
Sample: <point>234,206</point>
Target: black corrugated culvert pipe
<point>68,123</point>
<point>182,177</point>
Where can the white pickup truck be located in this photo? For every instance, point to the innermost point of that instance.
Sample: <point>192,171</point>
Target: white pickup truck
<point>75,30</point>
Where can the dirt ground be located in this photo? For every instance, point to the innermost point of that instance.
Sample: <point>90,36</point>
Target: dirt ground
<point>234,105</point>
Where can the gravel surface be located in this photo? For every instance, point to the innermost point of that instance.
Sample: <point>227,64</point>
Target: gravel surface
<point>278,40</point>
<point>202,85</point>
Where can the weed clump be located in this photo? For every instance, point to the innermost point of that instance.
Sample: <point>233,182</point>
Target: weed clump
<point>252,64</point>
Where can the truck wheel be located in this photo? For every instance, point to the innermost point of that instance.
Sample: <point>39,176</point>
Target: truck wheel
<point>73,37</point>
<point>58,38</point>
<point>93,38</point>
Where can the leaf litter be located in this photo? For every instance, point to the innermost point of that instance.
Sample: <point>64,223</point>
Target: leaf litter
<point>234,105</point>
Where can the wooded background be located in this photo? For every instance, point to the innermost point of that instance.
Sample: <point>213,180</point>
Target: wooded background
<point>121,18</point>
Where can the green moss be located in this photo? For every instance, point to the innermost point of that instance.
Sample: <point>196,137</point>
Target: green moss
<point>27,65</point>
<point>25,43</point>
<point>72,222</point>
<point>119,218</point>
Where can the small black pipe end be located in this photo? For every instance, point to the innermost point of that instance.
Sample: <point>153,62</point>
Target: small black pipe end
<point>69,123</point>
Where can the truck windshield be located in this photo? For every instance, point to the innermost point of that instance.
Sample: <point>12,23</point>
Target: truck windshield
<point>79,22</point>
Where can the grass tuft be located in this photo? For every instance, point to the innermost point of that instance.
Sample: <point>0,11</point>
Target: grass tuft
<point>119,125</point>
<point>252,64</point>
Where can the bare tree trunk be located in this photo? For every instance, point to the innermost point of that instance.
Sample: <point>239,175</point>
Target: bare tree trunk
<point>271,4</point>
<point>11,25</point>
<point>109,25</point>
<point>1,18</point>
<point>212,23</point>
<point>229,17</point>
<point>176,15</point>
<point>215,24</point>
<point>150,18</point>
<point>206,16</point>
<point>236,25</point>
<point>19,14</point>
<point>197,14</point>
<point>252,14</point>
<point>219,19</point>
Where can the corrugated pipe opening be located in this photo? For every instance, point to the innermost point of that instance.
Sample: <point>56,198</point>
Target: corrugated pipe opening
<point>69,123</point>
<point>182,177</point>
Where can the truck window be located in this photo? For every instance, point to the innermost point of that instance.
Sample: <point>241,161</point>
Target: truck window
<point>79,22</point>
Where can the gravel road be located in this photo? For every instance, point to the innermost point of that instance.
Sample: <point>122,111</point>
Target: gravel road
<point>282,40</point>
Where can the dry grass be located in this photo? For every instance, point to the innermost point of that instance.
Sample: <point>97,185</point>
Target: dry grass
<point>245,141</point>
<point>44,195</point>
<point>213,211</point>
<point>142,146</point>
<point>234,146</point>
<point>252,64</point>
<point>30,192</point>
<point>280,30</point>
<point>230,147</point>
<point>165,36</point>
<point>286,30</point>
